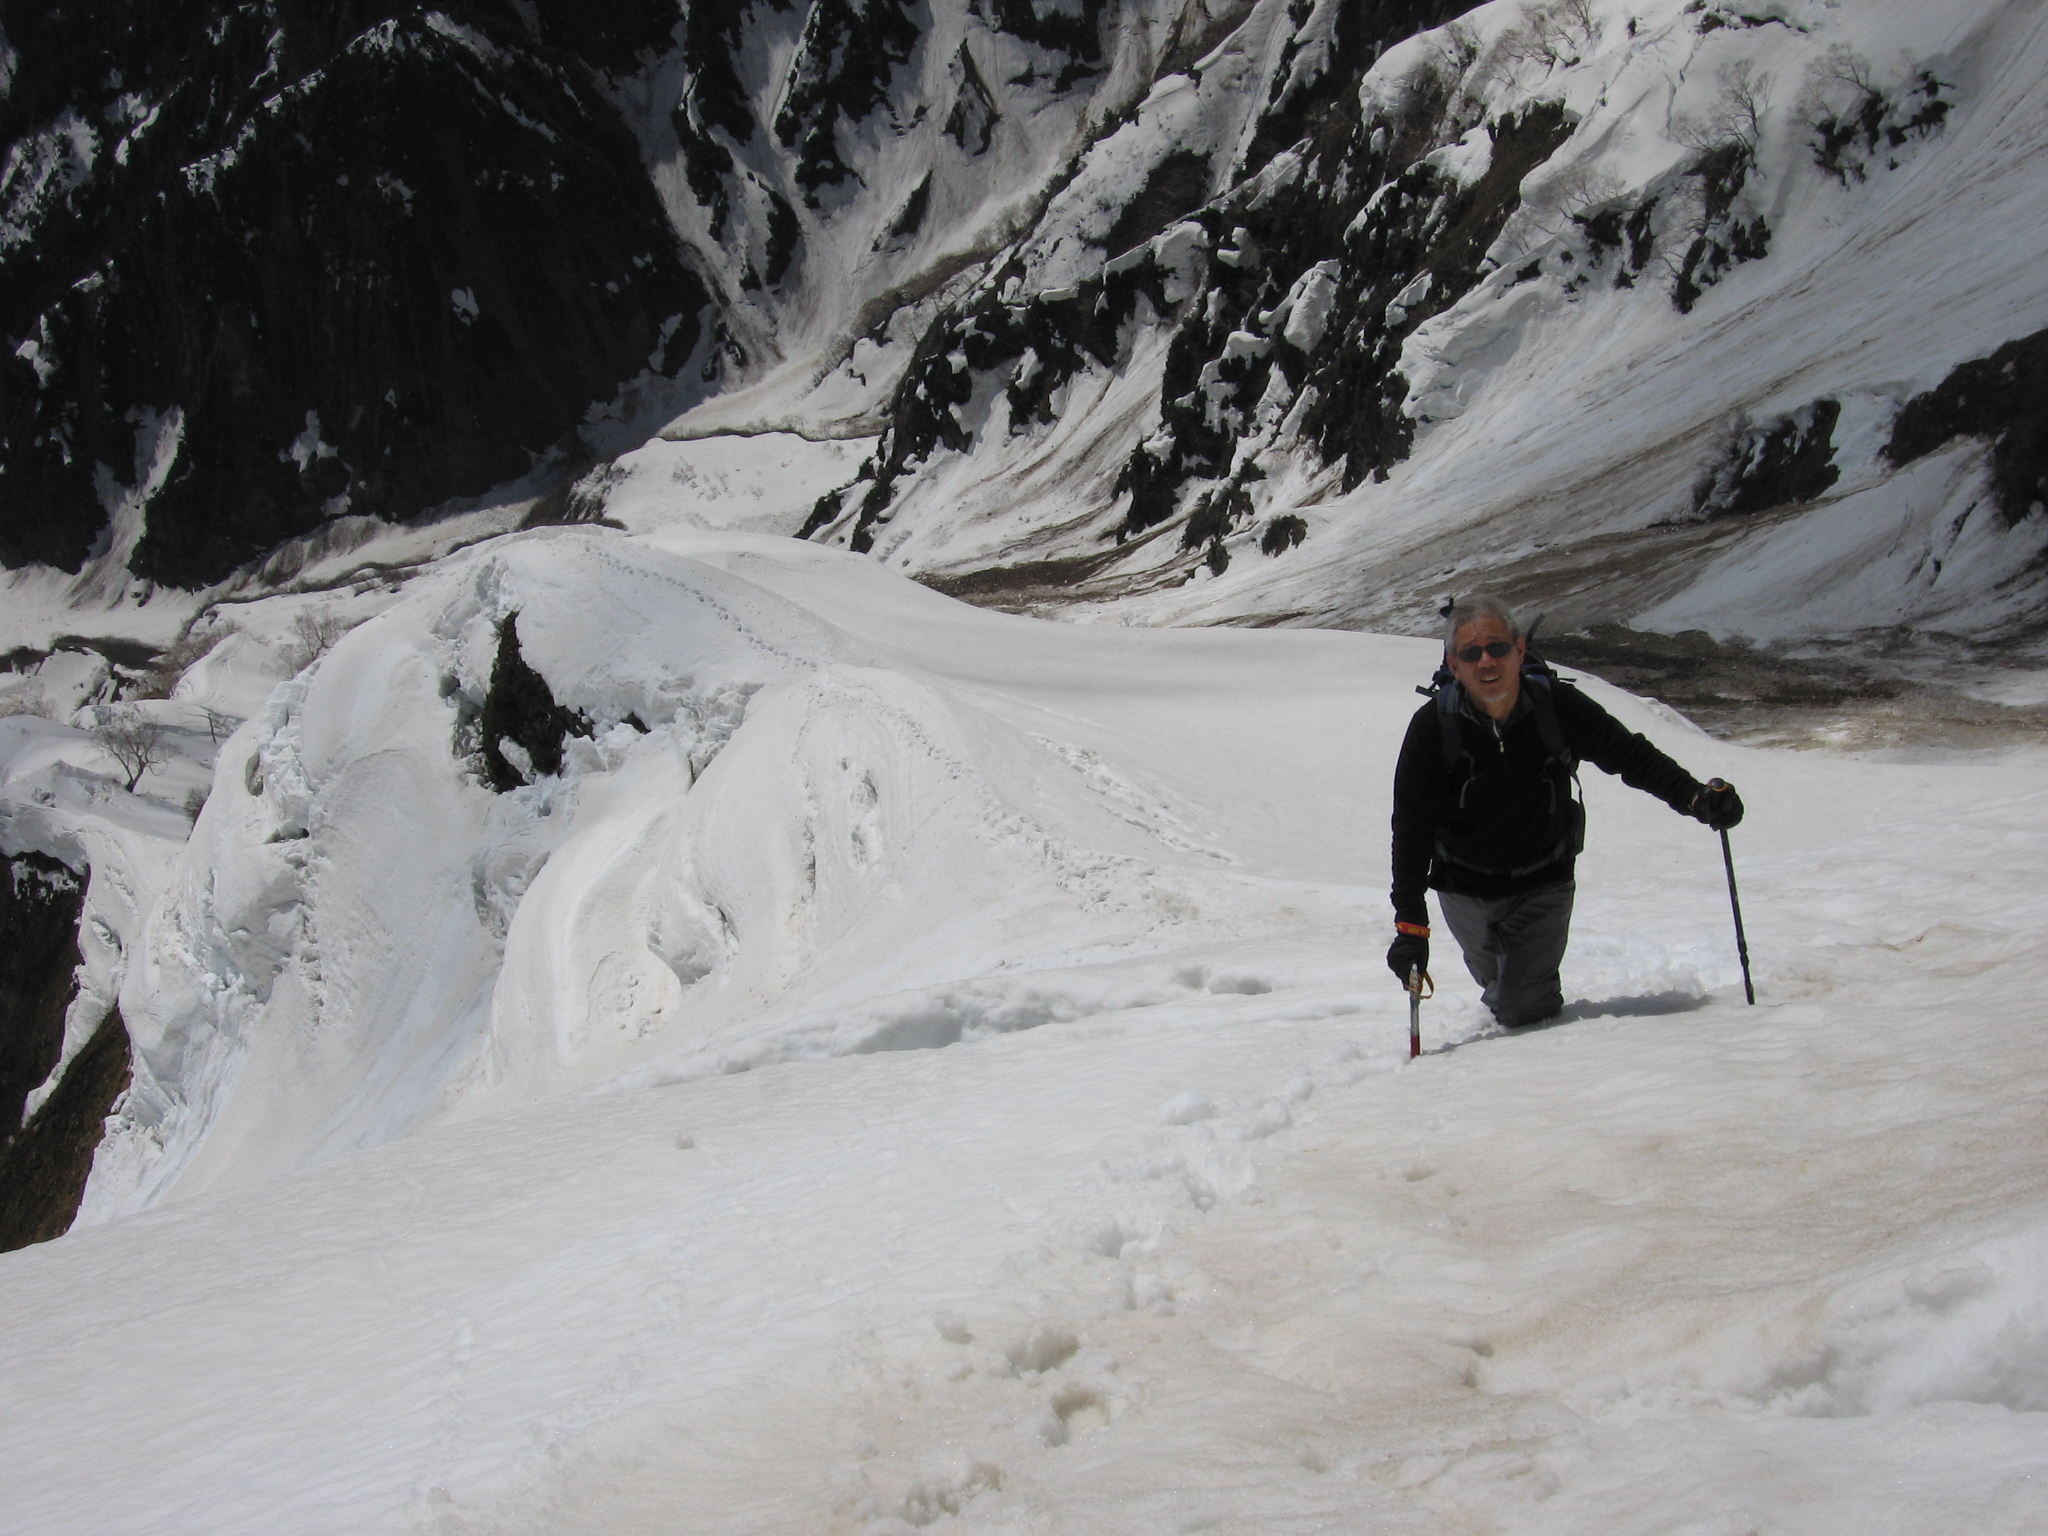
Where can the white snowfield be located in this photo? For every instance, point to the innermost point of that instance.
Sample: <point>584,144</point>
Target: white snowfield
<point>941,1074</point>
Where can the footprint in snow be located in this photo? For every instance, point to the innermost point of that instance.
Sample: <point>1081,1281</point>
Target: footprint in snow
<point>1187,1109</point>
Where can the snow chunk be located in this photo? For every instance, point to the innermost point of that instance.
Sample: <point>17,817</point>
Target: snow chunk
<point>1465,161</point>
<point>1308,305</point>
<point>308,446</point>
<point>1407,299</point>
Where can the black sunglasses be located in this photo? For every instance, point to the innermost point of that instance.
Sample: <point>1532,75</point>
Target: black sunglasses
<point>1493,648</point>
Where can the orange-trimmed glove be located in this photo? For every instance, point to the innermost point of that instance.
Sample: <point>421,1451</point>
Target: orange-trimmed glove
<point>1410,951</point>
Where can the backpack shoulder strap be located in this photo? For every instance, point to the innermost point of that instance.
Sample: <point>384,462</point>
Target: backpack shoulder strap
<point>1449,697</point>
<point>1541,685</point>
<point>1443,689</point>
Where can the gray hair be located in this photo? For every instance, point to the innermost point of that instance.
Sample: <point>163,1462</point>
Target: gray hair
<point>1470,610</point>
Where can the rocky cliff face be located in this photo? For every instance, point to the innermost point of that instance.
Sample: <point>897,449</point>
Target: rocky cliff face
<point>267,264</point>
<point>263,263</point>
<point>46,1156</point>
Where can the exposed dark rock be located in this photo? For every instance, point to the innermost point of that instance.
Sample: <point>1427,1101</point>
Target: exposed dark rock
<point>43,1169</point>
<point>972,122</point>
<point>1216,514</point>
<point>1425,226</point>
<point>1624,230</point>
<point>1176,187</point>
<point>1226,350</point>
<point>711,37</point>
<point>2002,399</point>
<point>1056,29</point>
<point>785,234</point>
<point>910,217</point>
<point>1712,18</point>
<point>365,256</point>
<point>1321,103</point>
<point>1786,462</point>
<point>1851,131</point>
<point>1725,234</point>
<point>1040,342</point>
<point>521,709</point>
<point>40,904</point>
<point>840,73</point>
<point>826,509</point>
<point>713,97</point>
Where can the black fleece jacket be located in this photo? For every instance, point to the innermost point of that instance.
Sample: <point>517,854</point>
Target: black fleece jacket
<point>1508,821</point>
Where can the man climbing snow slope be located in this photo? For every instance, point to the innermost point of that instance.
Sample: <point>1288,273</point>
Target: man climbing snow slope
<point>1484,810</point>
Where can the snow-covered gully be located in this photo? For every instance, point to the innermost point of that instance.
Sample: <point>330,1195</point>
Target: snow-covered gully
<point>942,1075</point>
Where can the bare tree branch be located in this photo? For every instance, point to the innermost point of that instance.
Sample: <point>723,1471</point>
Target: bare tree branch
<point>133,740</point>
<point>314,636</point>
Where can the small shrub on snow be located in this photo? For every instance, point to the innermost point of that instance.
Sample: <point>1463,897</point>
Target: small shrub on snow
<point>132,739</point>
<point>1725,229</point>
<point>313,636</point>
<point>1282,534</point>
<point>1852,125</point>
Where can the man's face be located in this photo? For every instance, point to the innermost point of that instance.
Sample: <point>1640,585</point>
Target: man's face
<point>1491,682</point>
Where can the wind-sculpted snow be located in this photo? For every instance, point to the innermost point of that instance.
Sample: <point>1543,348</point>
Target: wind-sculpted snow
<point>351,813</point>
<point>776,825</point>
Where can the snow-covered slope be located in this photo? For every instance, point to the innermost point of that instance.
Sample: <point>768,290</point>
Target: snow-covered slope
<point>638,1020</point>
<point>894,825</point>
<point>940,1072</point>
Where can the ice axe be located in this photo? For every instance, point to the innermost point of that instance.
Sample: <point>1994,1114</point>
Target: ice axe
<point>1735,903</point>
<point>1417,978</point>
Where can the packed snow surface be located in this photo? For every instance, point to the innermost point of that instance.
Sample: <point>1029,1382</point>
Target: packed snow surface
<point>940,1073</point>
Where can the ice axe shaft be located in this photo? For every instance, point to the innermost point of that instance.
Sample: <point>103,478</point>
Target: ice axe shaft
<point>1414,1012</point>
<point>1735,906</point>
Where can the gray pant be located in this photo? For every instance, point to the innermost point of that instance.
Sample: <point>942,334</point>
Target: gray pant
<point>1513,946</point>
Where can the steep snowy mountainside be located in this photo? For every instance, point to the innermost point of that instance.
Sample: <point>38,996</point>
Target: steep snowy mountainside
<point>271,273</point>
<point>1628,309</point>
<point>1664,314</point>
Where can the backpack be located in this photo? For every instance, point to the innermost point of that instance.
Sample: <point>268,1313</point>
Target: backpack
<point>1560,763</point>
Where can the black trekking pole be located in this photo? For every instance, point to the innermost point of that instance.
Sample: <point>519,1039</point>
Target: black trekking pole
<point>1735,905</point>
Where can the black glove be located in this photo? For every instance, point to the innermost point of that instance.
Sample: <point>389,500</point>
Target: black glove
<point>1718,805</point>
<point>1409,953</point>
